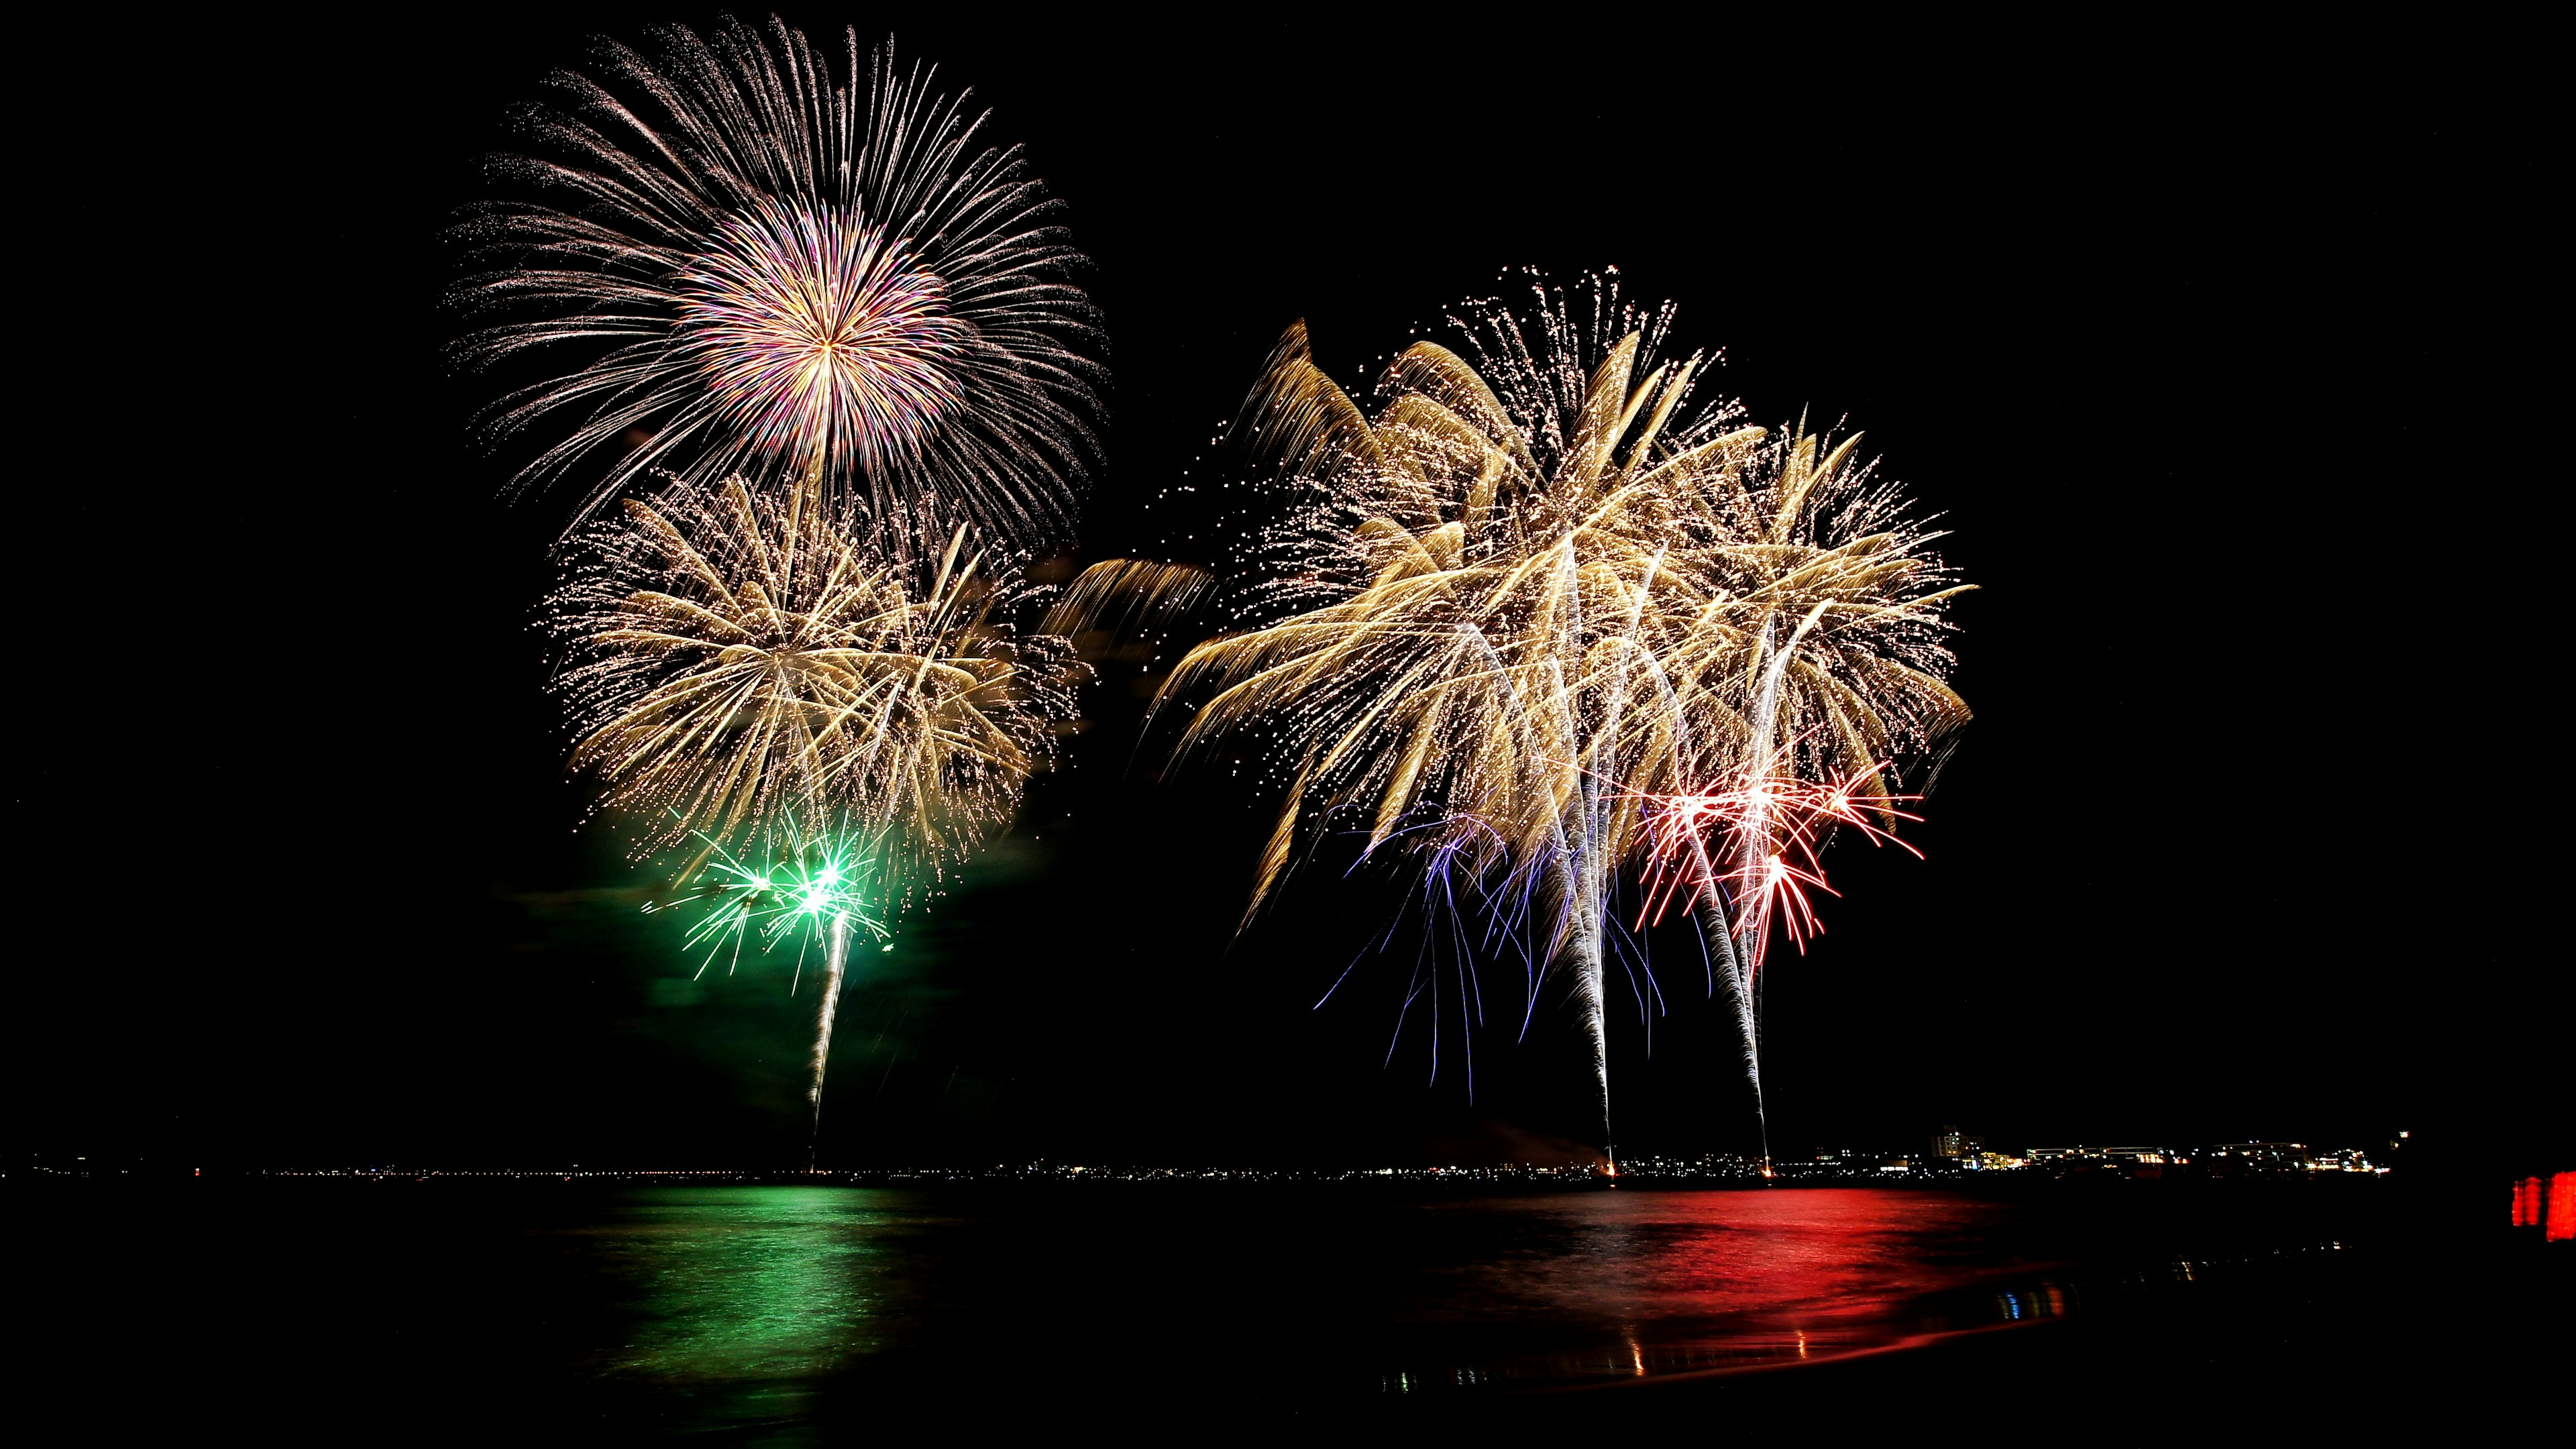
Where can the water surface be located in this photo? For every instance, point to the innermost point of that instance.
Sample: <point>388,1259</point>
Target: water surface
<point>761,1310</point>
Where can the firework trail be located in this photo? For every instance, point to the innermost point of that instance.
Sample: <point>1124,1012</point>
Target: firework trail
<point>1743,957</point>
<point>811,887</point>
<point>1775,827</point>
<point>736,662</point>
<point>837,959</point>
<point>1535,591</point>
<point>747,253</point>
<point>1836,624</point>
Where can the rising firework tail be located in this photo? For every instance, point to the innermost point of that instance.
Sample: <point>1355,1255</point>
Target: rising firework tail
<point>811,887</point>
<point>1692,835</point>
<point>749,253</point>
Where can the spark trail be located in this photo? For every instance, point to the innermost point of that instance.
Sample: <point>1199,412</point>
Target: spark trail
<point>837,960</point>
<point>813,888</point>
<point>1774,827</point>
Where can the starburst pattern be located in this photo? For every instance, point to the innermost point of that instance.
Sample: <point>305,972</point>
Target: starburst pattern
<point>746,253</point>
<point>825,345</point>
<point>790,883</point>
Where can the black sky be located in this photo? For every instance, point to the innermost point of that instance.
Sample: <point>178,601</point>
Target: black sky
<point>2207,347</point>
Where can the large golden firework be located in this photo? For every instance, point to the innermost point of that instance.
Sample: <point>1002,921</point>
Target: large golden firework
<point>738,656</point>
<point>1530,595</point>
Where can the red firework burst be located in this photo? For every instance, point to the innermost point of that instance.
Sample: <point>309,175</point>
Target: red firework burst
<point>1770,825</point>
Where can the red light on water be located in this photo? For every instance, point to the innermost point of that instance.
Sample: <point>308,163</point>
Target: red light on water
<point>2561,1207</point>
<point>2526,1203</point>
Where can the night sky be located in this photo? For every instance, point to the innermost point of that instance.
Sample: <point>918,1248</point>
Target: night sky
<point>2202,346</point>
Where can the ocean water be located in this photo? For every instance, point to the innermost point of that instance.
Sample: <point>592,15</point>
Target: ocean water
<point>812,1313</point>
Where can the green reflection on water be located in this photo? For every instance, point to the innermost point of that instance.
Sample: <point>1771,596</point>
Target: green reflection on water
<point>726,1284</point>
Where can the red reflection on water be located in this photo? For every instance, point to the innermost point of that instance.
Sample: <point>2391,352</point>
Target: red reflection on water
<point>2526,1203</point>
<point>2562,1207</point>
<point>1817,1255</point>
<point>1701,1282</point>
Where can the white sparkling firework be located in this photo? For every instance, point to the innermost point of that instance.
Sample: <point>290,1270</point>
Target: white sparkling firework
<point>747,254</point>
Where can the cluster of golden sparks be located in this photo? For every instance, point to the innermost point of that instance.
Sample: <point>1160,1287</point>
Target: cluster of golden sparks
<point>743,657</point>
<point>1533,620</point>
<point>1540,619</point>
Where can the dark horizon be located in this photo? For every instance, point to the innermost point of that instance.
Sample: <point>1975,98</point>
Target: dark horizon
<point>2196,358</point>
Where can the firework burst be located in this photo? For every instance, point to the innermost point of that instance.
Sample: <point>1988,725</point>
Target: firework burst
<point>789,885</point>
<point>811,887</point>
<point>748,254</point>
<point>826,348</point>
<point>1690,835</point>
<point>740,659</point>
<point>1532,593</point>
